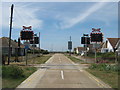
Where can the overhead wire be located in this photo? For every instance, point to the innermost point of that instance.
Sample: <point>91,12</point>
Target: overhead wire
<point>20,17</point>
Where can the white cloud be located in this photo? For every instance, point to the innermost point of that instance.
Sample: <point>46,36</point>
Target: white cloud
<point>70,22</point>
<point>23,15</point>
<point>59,1</point>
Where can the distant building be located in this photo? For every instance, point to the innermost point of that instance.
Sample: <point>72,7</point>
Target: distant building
<point>110,45</point>
<point>90,48</point>
<point>14,46</point>
<point>79,50</point>
<point>117,47</point>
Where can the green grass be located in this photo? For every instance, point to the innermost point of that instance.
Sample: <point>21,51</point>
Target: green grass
<point>36,60</point>
<point>109,77</point>
<point>39,60</point>
<point>109,56</point>
<point>9,81</point>
<point>76,60</point>
<point>10,73</point>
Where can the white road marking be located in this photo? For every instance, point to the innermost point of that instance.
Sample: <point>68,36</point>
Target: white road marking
<point>62,74</point>
<point>81,70</point>
<point>59,59</point>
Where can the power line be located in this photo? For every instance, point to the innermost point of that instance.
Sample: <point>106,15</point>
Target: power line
<point>20,17</point>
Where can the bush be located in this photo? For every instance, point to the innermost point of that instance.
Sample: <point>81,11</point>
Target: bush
<point>102,66</point>
<point>12,71</point>
<point>115,67</point>
<point>16,72</point>
<point>45,52</point>
<point>103,61</point>
<point>105,67</point>
<point>109,55</point>
<point>93,66</point>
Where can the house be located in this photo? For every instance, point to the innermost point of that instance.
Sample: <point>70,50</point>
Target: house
<point>110,45</point>
<point>117,47</point>
<point>14,46</point>
<point>90,48</point>
<point>97,46</point>
<point>74,50</point>
<point>5,45</point>
<point>79,50</point>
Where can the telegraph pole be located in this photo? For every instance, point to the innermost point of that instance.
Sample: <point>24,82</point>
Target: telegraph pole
<point>39,43</point>
<point>9,52</point>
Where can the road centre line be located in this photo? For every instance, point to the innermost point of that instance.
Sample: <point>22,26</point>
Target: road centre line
<point>59,59</point>
<point>62,74</point>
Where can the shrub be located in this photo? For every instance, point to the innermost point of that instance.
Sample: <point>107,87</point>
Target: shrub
<point>105,67</point>
<point>16,72</point>
<point>102,66</point>
<point>12,71</point>
<point>45,52</point>
<point>103,61</point>
<point>93,66</point>
<point>109,55</point>
<point>115,67</point>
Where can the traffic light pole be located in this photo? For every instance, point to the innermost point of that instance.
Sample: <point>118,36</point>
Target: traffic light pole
<point>26,54</point>
<point>39,44</point>
<point>9,52</point>
<point>70,49</point>
<point>86,50</point>
<point>33,49</point>
<point>85,35</point>
<point>95,53</point>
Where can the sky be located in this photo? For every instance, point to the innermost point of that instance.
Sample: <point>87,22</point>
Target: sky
<point>57,21</point>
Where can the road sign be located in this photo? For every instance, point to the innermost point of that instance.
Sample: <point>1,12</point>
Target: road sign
<point>69,45</point>
<point>95,45</point>
<point>26,47</point>
<point>24,27</point>
<point>85,40</point>
<point>35,41</point>
<point>26,35</point>
<point>96,37</point>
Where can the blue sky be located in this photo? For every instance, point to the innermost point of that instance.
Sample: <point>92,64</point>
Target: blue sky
<point>57,21</point>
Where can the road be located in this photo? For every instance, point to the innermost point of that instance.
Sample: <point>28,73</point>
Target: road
<point>61,72</point>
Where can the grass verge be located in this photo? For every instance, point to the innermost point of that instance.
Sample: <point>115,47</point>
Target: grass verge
<point>76,60</point>
<point>12,79</point>
<point>13,74</point>
<point>109,77</point>
<point>36,60</point>
<point>39,60</point>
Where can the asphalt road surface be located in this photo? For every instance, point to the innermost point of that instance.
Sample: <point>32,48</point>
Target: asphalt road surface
<point>61,72</point>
